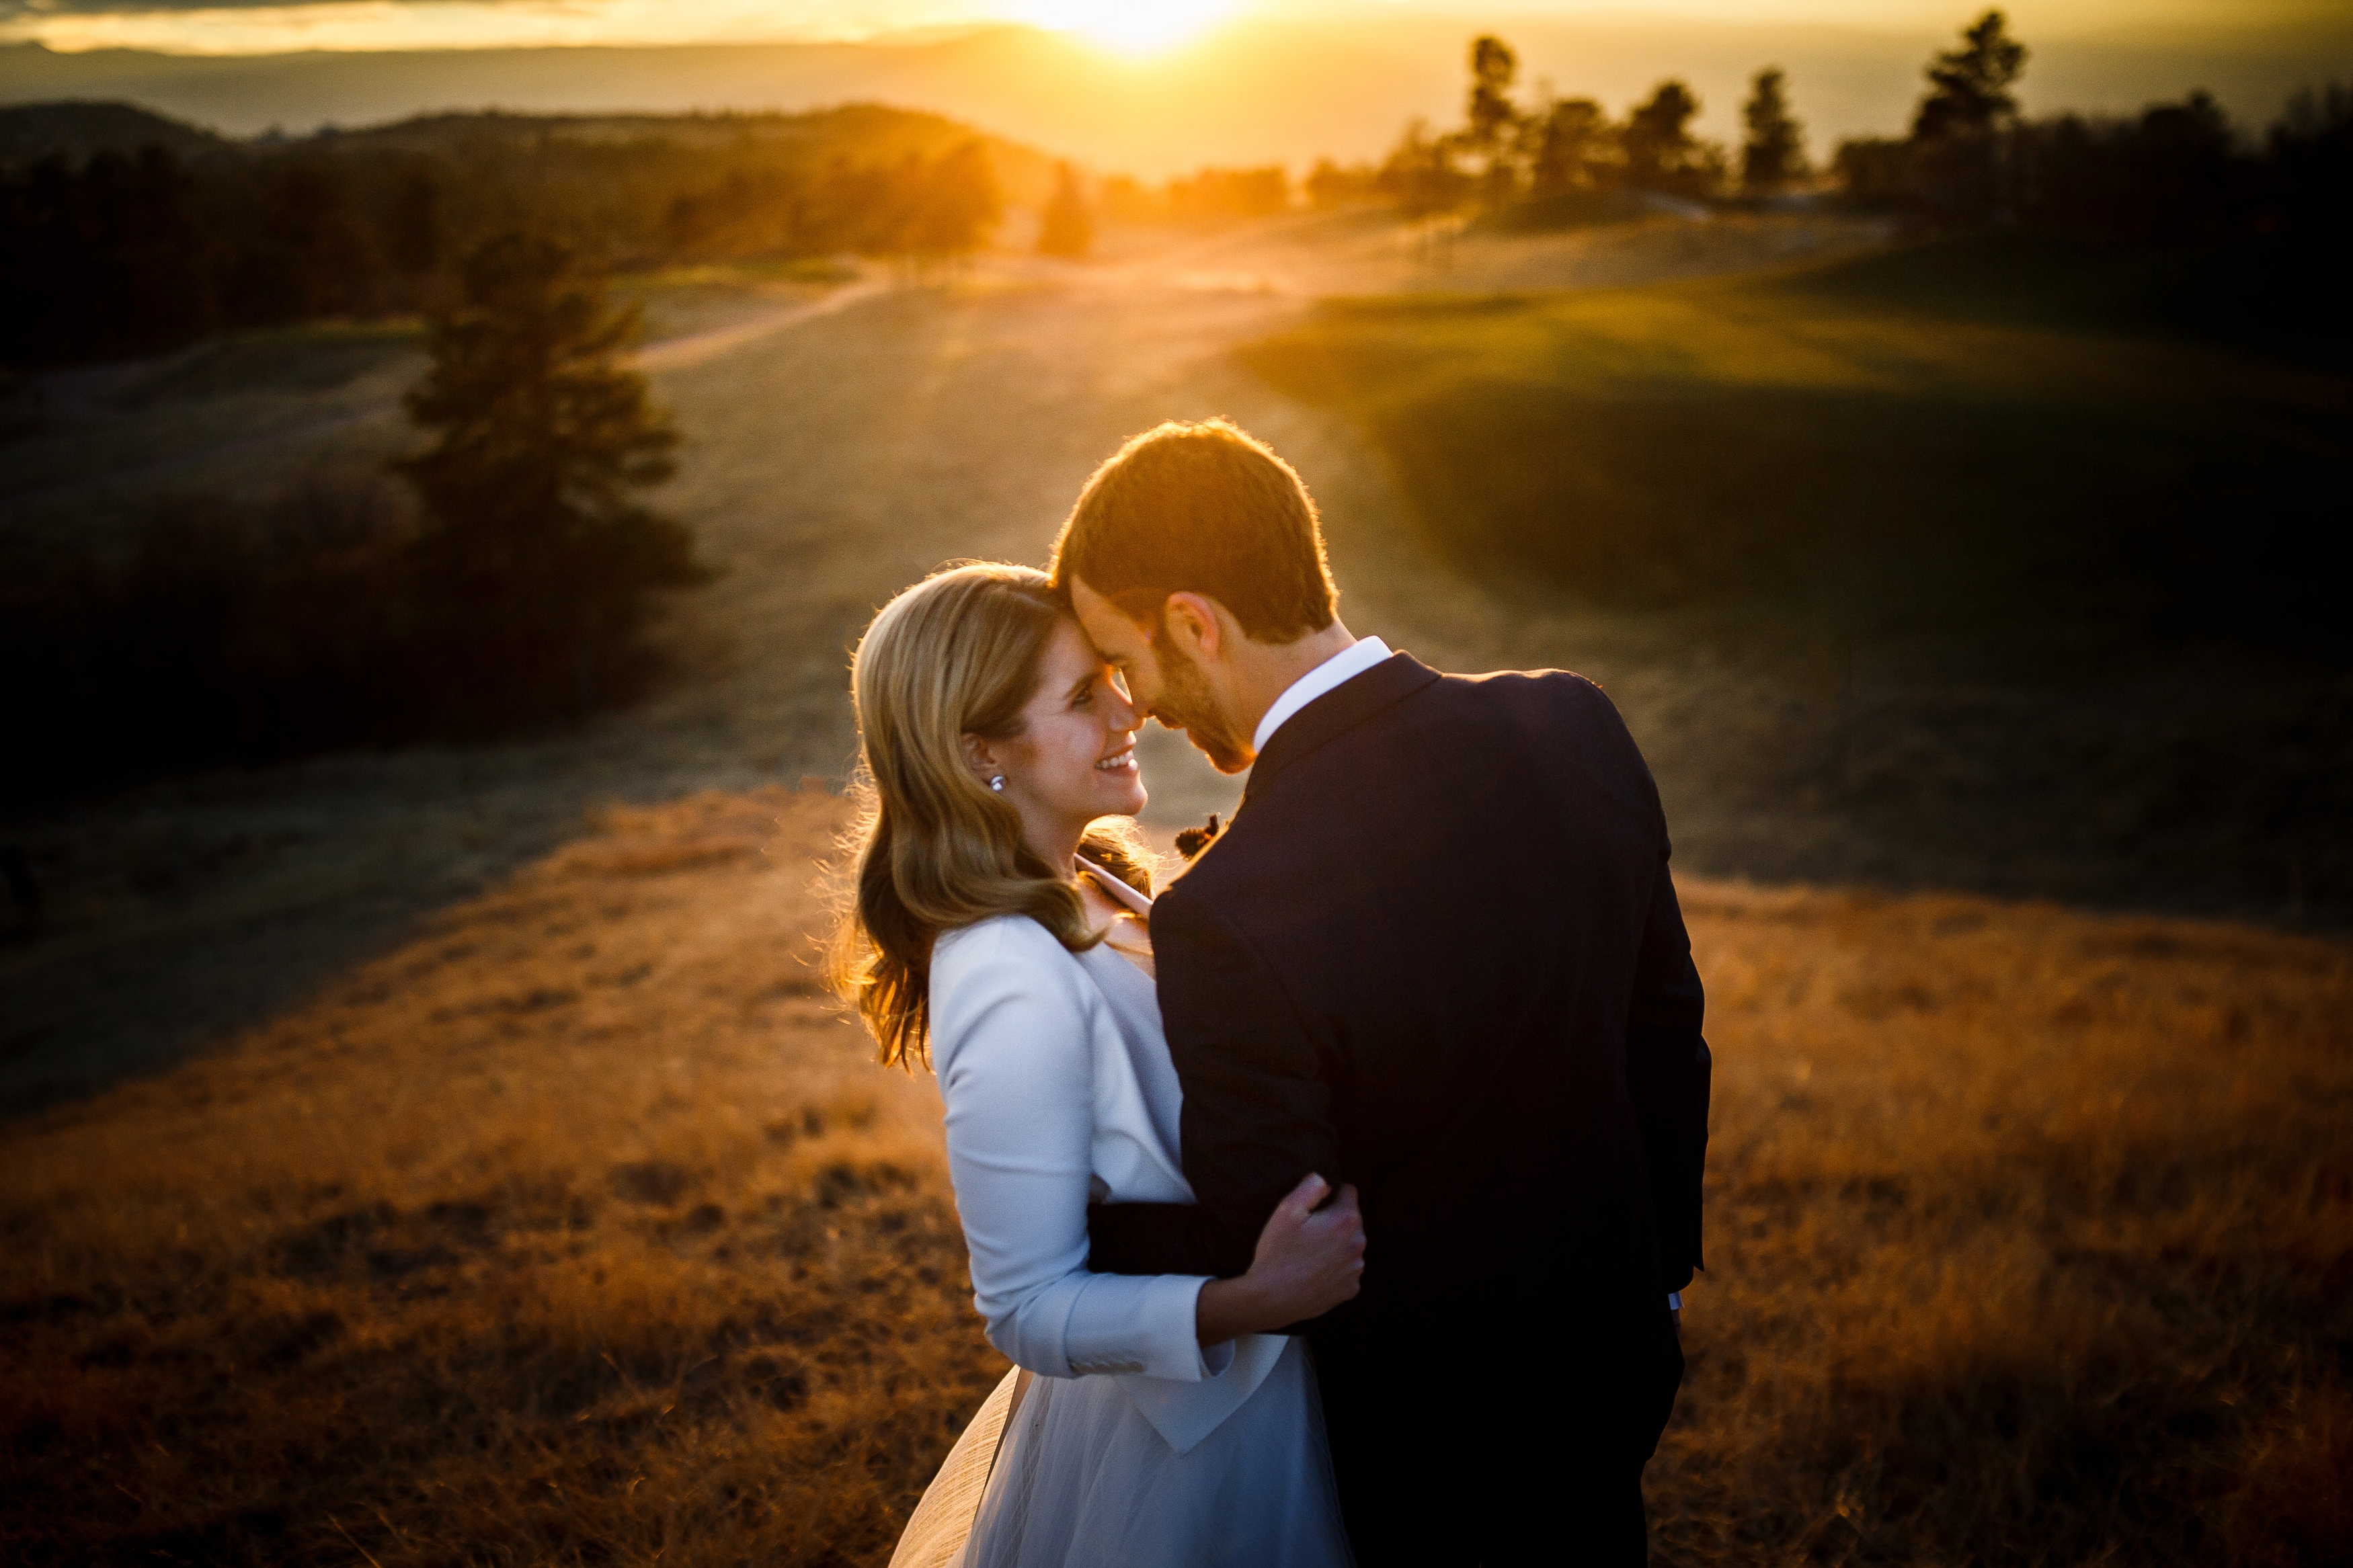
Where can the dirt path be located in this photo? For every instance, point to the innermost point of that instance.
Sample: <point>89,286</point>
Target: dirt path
<point>694,348</point>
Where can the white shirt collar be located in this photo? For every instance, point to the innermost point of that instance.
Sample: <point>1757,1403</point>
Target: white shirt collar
<point>1344,666</point>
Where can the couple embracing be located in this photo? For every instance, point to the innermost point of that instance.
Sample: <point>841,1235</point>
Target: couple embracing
<point>1331,1204</point>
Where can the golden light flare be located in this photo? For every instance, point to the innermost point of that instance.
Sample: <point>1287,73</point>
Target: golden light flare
<point>1129,26</point>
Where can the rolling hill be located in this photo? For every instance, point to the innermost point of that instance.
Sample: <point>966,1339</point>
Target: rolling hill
<point>862,132</point>
<point>31,131</point>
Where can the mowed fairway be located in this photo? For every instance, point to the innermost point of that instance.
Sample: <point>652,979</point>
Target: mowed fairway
<point>578,1229</point>
<point>1966,432</point>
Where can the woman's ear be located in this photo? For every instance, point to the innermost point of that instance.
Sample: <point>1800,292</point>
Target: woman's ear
<point>980,757</point>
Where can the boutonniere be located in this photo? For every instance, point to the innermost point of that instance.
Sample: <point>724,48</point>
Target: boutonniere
<point>1191,841</point>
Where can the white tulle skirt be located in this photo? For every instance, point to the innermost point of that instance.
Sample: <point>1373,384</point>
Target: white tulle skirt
<point>1077,1479</point>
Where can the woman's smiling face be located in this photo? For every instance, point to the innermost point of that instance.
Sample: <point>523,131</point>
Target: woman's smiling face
<point>1074,760</point>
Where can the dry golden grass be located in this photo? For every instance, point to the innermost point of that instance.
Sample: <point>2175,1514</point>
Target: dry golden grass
<point>576,1230</point>
<point>2032,1239</point>
<point>580,1230</point>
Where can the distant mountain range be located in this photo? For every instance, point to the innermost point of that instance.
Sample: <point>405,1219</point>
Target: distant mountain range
<point>1254,91</point>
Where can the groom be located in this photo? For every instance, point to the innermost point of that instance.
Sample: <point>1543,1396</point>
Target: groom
<point>1438,955</point>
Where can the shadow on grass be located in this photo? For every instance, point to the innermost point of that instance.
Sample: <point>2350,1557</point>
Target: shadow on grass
<point>1876,510</point>
<point>2258,294</point>
<point>181,917</point>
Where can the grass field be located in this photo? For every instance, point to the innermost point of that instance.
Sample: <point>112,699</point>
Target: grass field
<point>442,1211</point>
<point>577,1229</point>
<point>1980,433</point>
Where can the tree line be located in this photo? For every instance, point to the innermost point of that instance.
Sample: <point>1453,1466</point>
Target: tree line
<point>2176,173</point>
<point>1208,196</point>
<point>133,252</point>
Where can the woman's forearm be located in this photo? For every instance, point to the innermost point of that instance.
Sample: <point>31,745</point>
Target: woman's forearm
<point>1228,1308</point>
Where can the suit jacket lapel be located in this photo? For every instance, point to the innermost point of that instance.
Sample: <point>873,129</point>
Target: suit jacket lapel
<point>1335,713</point>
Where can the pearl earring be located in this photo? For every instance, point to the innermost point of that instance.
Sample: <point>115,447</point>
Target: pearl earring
<point>997,784</point>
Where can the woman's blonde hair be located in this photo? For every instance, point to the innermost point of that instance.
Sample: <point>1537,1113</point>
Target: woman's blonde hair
<point>934,848</point>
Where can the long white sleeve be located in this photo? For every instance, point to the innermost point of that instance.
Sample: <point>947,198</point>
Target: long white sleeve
<point>1013,1043</point>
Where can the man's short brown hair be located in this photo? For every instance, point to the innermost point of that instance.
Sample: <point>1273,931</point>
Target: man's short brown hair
<point>1200,509</point>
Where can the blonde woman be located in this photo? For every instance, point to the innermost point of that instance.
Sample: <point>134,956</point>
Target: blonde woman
<point>998,931</point>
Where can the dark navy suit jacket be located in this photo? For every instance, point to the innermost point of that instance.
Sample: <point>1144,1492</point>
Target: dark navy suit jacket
<point>1438,955</point>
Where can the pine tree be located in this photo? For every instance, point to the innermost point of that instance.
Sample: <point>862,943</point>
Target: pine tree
<point>536,561</point>
<point>1489,120</point>
<point>1773,156</point>
<point>413,229</point>
<point>1959,166</point>
<point>1068,230</point>
<point>325,251</point>
<point>1420,174</point>
<point>1576,148</point>
<point>1969,87</point>
<point>1661,154</point>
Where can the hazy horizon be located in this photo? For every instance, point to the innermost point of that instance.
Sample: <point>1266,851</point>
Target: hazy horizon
<point>1138,28</point>
<point>1256,81</point>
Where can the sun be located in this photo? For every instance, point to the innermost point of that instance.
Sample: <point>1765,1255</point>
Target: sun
<point>1131,26</point>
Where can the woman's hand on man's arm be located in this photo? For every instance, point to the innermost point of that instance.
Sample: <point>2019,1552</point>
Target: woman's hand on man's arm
<point>1308,1261</point>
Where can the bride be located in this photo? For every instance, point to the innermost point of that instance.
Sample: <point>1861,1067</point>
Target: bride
<point>999,929</point>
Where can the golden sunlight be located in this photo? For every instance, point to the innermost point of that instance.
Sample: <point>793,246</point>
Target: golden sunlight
<point>1131,26</point>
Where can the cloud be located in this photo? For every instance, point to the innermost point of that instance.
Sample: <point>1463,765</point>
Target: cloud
<point>266,27</point>
<point>276,27</point>
<point>35,10</point>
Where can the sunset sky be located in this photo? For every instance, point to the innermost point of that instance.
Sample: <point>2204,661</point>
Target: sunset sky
<point>1150,87</point>
<point>1134,26</point>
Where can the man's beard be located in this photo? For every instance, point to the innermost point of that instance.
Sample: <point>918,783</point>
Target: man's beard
<point>1186,703</point>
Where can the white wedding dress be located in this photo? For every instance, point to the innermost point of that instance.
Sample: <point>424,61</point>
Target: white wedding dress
<point>1131,1445</point>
